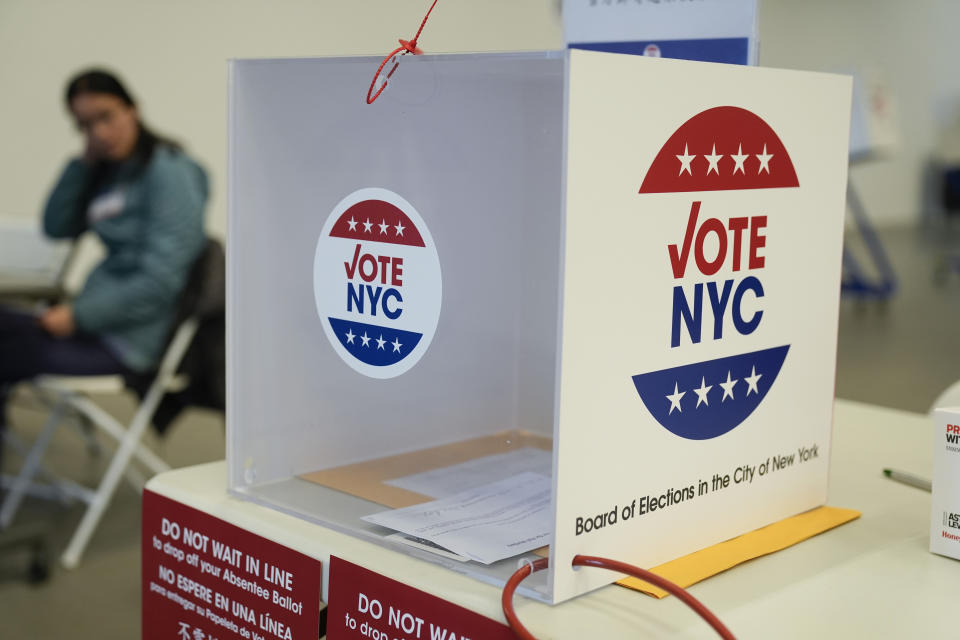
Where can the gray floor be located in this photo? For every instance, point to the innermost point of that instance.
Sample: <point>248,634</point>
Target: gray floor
<point>900,353</point>
<point>903,352</point>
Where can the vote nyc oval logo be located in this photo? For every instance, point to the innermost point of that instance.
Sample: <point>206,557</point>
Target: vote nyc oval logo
<point>377,283</point>
<point>718,262</point>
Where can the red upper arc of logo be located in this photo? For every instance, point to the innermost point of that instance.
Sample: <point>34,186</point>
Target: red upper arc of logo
<point>721,149</point>
<point>377,221</point>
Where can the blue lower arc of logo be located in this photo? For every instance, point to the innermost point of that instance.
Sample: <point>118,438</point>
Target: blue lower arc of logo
<point>707,399</point>
<point>372,344</point>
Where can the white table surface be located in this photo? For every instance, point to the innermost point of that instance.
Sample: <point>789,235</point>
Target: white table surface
<point>873,577</point>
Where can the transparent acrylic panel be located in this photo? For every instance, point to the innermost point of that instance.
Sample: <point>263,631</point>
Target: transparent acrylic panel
<point>474,143</point>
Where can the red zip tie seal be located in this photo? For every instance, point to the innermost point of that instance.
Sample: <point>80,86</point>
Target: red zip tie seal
<point>406,46</point>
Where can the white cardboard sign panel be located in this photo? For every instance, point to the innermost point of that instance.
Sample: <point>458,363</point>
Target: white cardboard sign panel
<point>704,209</point>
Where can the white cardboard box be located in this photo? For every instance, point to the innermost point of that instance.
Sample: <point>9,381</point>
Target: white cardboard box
<point>945,504</point>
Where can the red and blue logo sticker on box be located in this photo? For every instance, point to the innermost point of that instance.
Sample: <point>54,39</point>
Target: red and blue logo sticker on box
<point>377,283</point>
<point>721,149</point>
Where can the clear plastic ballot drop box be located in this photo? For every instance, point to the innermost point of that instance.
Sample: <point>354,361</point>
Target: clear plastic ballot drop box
<point>615,273</point>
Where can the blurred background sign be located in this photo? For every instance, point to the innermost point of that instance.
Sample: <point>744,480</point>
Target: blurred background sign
<point>706,30</point>
<point>873,118</point>
<point>31,265</point>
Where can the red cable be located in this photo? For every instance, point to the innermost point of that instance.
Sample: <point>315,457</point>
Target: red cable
<point>506,600</point>
<point>404,48</point>
<point>614,565</point>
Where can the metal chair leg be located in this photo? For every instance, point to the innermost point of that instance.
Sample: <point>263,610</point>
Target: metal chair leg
<point>31,465</point>
<point>112,427</point>
<point>56,488</point>
<point>129,445</point>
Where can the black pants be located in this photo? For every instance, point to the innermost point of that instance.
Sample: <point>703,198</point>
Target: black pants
<point>26,351</point>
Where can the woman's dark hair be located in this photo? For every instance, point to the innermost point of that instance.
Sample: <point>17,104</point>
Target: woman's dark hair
<point>97,81</point>
<point>100,81</point>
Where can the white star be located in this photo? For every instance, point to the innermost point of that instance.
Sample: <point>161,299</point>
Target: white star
<point>675,399</point>
<point>383,227</point>
<point>764,159</point>
<point>751,381</point>
<point>366,339</point>
<point>396,344</point>
<point>728,387</point>
<point>399,227</point>
<point>367,225</point>
<point>685,161</point>
<point>350,336</point>
<point>352,223</point>
<point>739,157</point>
<point>702,392</point>
<point>713,159</point>
<point>381,342</point>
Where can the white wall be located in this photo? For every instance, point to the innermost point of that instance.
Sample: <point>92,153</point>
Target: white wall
<point>914,45</point>
<point>172,54</point>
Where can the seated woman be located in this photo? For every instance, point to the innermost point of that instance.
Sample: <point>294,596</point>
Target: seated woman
<point>144,197</point>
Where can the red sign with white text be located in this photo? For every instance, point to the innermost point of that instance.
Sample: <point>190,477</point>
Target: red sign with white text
<point>206,579</point>
<point>365,604</point>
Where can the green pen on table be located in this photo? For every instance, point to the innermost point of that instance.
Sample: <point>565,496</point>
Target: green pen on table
<point>908,478</point>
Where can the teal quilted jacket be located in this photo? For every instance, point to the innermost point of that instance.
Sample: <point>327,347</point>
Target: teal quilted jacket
<point>150,220</point>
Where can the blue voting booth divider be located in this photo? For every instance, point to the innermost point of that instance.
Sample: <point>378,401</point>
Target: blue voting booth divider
<point>855,280</point>
<point>872,134</point>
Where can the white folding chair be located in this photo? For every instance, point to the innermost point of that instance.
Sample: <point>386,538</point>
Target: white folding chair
<point>202,298</point>
<point>71,395</point>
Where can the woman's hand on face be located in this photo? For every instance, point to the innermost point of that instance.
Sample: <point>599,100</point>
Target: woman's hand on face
<point>58,321</point>
<point>90,155</point>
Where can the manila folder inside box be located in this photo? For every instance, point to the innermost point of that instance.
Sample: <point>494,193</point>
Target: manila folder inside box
<point>368,480</point>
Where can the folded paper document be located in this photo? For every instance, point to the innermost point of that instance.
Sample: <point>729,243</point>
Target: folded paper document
<point>486,523</point>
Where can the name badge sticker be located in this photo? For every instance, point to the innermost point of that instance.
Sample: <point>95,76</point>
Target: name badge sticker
<point>107,205</point>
